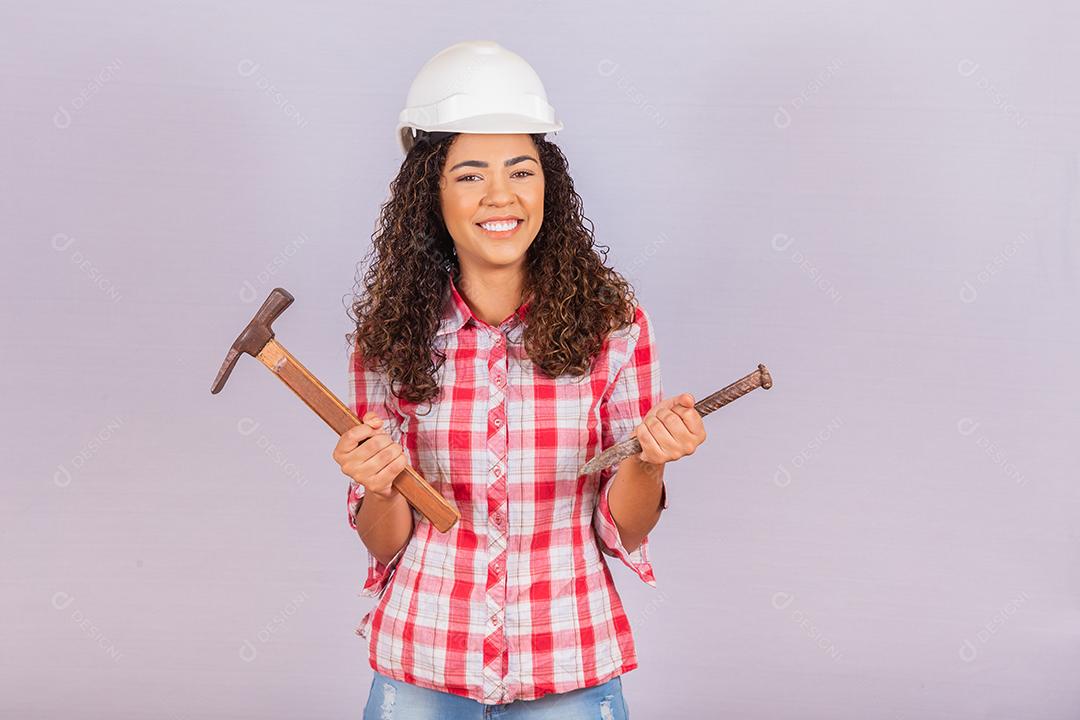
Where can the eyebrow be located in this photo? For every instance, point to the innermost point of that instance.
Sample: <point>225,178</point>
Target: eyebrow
<point>482,164</point>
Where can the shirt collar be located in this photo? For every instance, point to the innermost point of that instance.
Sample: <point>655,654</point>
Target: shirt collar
<point>456,313</point>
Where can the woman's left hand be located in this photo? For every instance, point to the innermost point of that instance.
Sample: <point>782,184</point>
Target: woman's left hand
<point>670,430</point>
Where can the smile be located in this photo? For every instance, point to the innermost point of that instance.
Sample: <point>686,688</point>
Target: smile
<point>500,228</point>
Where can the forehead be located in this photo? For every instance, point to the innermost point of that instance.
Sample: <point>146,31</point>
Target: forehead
<point>492,148</point>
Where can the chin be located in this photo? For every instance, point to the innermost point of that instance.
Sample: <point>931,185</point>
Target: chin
<point>502,260</point>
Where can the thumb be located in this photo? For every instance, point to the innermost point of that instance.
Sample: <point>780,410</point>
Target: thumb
<point>372,418</point>
<point>671,401</point>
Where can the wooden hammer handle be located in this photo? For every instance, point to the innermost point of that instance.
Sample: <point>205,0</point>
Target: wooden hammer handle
<point>418,491</point>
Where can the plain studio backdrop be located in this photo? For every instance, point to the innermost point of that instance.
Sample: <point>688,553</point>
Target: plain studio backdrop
<point>879,201</point>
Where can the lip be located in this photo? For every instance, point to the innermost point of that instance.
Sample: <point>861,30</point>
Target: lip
<point>499,217</point>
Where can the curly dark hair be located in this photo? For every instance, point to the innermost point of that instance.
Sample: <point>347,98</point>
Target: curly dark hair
<point>576,300</point>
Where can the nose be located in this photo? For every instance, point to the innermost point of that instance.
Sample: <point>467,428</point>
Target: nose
<point>498,193</point>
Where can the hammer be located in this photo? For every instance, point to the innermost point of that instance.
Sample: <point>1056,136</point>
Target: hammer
<point>257,340</point>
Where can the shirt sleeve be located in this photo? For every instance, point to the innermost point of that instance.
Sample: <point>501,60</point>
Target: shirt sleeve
<point>369,390</point>
<point>636,388</point>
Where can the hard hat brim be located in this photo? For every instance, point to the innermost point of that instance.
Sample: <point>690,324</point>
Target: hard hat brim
<point>499,124</point>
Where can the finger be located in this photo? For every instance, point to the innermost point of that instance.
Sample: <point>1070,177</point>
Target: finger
<point>692,419</point>
<point>392,469</point>
<point>368,448</point>
<point>384,455</point>
<point>351,438</point>
<point>680,400</point>
<point>660,432</point>
<point>358,434</point>
<point>371,457</point>
<point>649,446</point>
<point>684,442</point>
<point>673,423</point>
<point>379,472</point>
<point>667,402</point>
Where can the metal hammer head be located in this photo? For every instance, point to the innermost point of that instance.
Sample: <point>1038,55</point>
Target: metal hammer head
<point>255,336</point>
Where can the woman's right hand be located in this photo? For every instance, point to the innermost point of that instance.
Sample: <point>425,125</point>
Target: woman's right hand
<point>369,457</point>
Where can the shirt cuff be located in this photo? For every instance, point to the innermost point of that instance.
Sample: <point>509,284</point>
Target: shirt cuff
<point>378,574</point>
<point>610,541</point>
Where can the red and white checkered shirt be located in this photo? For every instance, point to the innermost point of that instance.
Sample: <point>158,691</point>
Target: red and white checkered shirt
<point>516,600</point>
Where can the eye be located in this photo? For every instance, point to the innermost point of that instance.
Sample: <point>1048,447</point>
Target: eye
<point>526,173</point>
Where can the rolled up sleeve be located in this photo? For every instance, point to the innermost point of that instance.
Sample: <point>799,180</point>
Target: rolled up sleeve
<point>369,390</point>
<point>636,389</point>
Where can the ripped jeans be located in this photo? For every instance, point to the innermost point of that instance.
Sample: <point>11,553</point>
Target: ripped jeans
<point>391,699</point>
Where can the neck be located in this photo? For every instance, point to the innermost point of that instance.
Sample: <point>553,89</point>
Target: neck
<point>494,295</point>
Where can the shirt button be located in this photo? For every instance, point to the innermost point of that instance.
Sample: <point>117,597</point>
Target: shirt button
<point>498,422</point>
<point>498,471</point>
<point>497,519</point>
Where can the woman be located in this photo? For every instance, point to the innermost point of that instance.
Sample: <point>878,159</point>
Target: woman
<point>496,353</point>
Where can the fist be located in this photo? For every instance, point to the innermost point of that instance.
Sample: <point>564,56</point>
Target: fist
<point>369,457</point>
<point>670,430</point>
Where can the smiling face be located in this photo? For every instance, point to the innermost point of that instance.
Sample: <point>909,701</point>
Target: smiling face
<point>493,180</point>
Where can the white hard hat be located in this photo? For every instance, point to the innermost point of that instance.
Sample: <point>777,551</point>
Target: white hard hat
<point>476,86</point>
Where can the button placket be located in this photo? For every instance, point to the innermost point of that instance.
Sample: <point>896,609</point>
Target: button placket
<point>495,661</point>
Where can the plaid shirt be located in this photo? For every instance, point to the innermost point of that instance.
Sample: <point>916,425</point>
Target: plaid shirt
<point>516,600</point>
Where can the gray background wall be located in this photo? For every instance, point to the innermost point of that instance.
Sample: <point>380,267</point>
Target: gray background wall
<point>879,201</point>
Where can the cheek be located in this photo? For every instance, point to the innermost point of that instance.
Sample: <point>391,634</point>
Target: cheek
<point>457,208</point>
<point>536,203</point>
<point>454,216</point>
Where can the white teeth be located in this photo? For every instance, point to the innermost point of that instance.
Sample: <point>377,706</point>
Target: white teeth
<point>500,226</point>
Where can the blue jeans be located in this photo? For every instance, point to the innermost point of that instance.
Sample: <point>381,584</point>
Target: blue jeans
<point>391,699</point>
